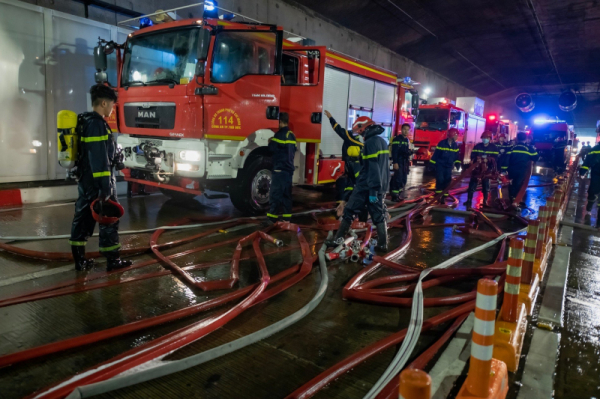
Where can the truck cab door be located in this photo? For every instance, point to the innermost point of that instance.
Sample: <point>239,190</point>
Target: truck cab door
<point>302,98</point>
<point>244,67</point>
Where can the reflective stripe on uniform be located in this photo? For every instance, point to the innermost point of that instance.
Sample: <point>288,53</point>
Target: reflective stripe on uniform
<point>106,249</point>
<point>349,188</point>
<point>287,215</point>
<point>78,243</point>
<point>93,139</point>
<point>486,152</point>
<point>446,149</point>
<point>272,216</point>
<point>395,191</point>
<point>584,167</point>
<point>378,153</point>
<point>457,161</point>
<point>101,174</point>
<point>432,161</point>
<point>523,152</point>
<point>284,141</point>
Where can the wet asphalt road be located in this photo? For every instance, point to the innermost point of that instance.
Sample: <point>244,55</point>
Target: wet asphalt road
<point>276,366</point>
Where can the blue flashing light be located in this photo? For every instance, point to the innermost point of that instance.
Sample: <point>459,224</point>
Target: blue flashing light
<point>211,9</point>
<point>145,22</point>
<point>407,80</point>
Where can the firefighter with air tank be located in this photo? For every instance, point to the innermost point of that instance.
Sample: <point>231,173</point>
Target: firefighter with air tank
<point>444,159</point>
<point>400,153</point>
<point>351,147</point>
<point>97,201</point>
<point>371,185</point>
<point>484,154</point>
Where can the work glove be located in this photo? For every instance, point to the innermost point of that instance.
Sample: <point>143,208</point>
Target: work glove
<point>372,199</point>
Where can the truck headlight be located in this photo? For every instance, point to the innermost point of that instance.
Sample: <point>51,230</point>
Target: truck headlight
<point>188,155</point>
<point>186,167</point>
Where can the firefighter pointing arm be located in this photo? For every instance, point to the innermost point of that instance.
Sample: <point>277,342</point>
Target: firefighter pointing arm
<point>97,199</point>
<point>351,148</point>
<point>371,185</point>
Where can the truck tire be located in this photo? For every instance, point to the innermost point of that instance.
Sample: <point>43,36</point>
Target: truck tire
<point>250,193</point>
<point>177,196</point>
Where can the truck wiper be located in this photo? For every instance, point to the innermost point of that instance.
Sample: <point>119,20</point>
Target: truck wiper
<point>163,80</point>
<point>134,82</point>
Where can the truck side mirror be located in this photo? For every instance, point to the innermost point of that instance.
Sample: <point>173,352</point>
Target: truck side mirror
<point>101,63</point>
<point>203,44</point>
<point>415,101</point>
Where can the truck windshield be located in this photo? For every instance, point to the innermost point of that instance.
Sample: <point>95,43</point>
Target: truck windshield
<point>436,119</point>
<point>161,58</point>
<point>547,135</point>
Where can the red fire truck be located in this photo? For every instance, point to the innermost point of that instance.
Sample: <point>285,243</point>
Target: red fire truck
<point>432,124</point>
<point>496,125</point>
<point>199,99</point>
<point>545,132</point>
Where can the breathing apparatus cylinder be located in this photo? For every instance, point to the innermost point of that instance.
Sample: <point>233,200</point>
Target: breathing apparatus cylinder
<point>68,141</point>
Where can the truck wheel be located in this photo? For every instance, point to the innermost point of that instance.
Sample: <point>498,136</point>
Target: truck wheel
<point>253,185</point>
<point>177,195</point>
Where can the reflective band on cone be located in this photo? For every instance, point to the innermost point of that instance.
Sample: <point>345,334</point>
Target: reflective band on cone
<point>513,280</point>
<point>415,384</point>
<point>553,211</point>
<point>541,242</point>
<point>529,255</point>
<point>479,378</point>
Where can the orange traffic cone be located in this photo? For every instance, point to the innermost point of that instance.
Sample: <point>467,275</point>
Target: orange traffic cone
<point>487,377</point>
<point>415,384</point>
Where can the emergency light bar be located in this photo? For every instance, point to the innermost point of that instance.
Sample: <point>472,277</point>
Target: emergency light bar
<point>541,121</point>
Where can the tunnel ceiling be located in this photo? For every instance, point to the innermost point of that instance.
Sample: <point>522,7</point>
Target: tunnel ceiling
<point>487,46</point>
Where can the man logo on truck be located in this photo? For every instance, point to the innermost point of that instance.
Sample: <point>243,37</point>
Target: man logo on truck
<point>146,114</point>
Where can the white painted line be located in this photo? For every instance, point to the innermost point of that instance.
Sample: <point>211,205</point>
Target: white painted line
<point>31,276</point>
<point>538,374</point>
<point>554,293</point>
<point>452,362</point>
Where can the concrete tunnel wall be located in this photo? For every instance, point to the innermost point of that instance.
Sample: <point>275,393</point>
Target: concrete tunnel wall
<point>298,20</point>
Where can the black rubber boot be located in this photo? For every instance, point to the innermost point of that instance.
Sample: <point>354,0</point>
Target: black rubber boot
<point>81,263</point>
<point>382,237</point>
<point>340,235</point>
<point>114,261</point>
<point>486,197</point>
<point>469,202</point>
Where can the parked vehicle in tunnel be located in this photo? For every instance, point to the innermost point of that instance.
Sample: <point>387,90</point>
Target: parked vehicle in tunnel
<point>433,122</point>
<point>199,99</point>
<point>496,125</point>
<point>544,135</point>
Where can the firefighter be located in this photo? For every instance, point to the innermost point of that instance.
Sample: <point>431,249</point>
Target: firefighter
<point>401,153</point>
<point>585,150</point>
<point>592,162</point>
<point>503,148</point>
<point>558,154</point>
<point>371,185</point>
<point>351,156</point>
<point>444,158</point>
<point>518,160</point>
<point>283,148</point>
<point>487,153</point>
<point>98,155</point>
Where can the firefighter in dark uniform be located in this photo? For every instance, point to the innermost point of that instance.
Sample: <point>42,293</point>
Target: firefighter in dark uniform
<point>283,148</point>
<point>444,158</point>
<point>351,148</point>
<point>592,163</point>
<point>585,149</point>
<point>482,152</point>
<point>558,154</point>
<point>371,185</point>
<point>98,155</point>
<point>503,148</point>
<point>518,159</point>
<point>400,162</point>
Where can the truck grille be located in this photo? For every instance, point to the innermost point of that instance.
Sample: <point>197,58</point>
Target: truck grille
<point>158,115</point>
